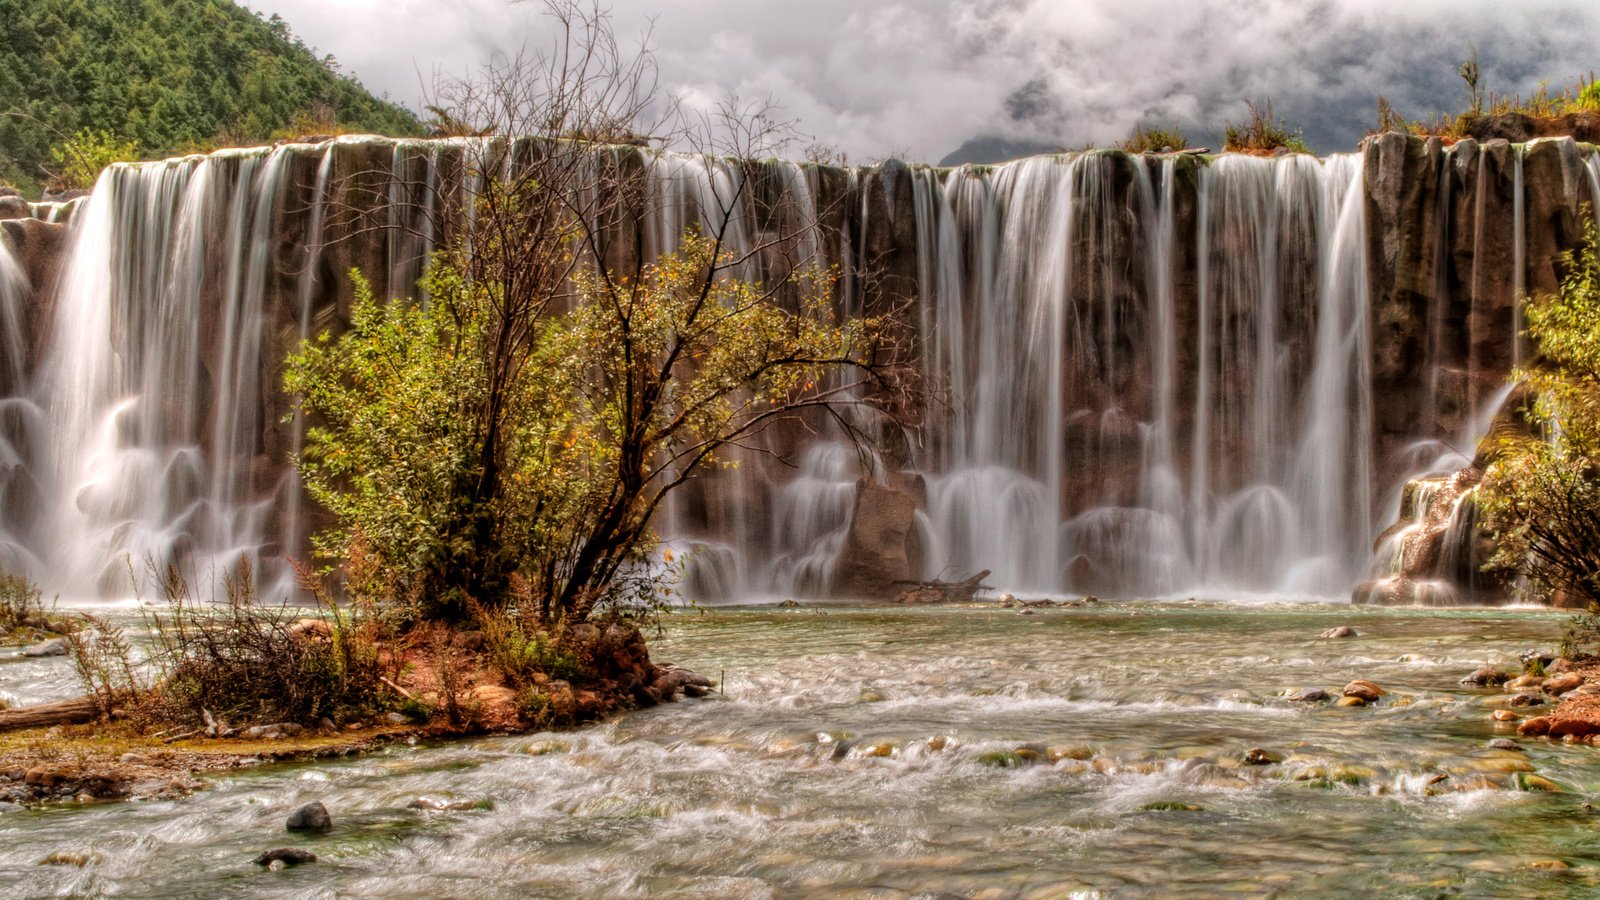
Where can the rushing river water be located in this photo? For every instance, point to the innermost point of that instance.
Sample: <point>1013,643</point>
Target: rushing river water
<point>779,790</point>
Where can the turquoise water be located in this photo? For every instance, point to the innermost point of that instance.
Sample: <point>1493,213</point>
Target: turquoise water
<point>866,752</point>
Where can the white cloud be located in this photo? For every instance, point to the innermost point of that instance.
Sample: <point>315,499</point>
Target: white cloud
<point>922,76</point>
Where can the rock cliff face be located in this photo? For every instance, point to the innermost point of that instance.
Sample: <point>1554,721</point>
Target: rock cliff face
<point>1150,374</point>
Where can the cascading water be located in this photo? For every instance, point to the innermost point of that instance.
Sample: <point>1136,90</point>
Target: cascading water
<point>1051,311</point>
<point>1150,375</point>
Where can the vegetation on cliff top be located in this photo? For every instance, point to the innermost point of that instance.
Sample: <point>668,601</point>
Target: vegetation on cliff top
<point>1542,492</point>
<point>159,77</point>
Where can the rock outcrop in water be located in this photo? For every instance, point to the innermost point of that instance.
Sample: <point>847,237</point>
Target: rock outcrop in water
<point>1151,374</point>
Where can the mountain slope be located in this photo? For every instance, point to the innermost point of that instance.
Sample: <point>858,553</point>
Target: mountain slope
<point>167,75</point>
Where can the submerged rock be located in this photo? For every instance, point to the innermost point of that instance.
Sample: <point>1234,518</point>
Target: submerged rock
<point>1256,756</point>
<point>289,856</point>
<point>1504,715</point>
<point>1309,695</point>
<point>1525,682</point>
<point>52,647</point>
<point>1506,744</point>
<point>1526,699</point>
<point>1348,700</point>
<point>1536,727</point>
<point>1342,631</point>
<point>312,817</point>
<point>1486,676</point>
<point>1365,690</point>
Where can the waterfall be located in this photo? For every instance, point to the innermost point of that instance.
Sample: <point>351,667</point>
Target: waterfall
<point>1148,375</point>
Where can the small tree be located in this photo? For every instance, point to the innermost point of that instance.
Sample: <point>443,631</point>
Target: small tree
<point>1542,492</point>
<point>82,157</point>
<point>515,433</point>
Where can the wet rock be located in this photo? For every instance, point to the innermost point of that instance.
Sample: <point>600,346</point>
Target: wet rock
<point>1256,756</point>
<point>61,858</point>
<point>1504,715</point>
<point>288,856</point>
<point>1365,690</point>
<point>1505,744</point>
<point>789,604</point>
<point>871,697</point>
<point>1342,631</point>
<point>312,817</point>
<point>1006,601</point>
<point>1560,684</point>
<point>12,207</point>
<point>441,805</point>
<point>1543,658</point>
<point>1525,781</point>
<point>1549,865</point>
<point>1024,612</point>
<point>1075,752</point>
<point>6,806</point>
<point>1526,699</point>
<point>1486,676</point>
<point>1536,727</point>
<point>1348,700</point>
<point>1309,695</point>
<point>52,647</point>
<point>1560,728</point>
<point>1525,683</point>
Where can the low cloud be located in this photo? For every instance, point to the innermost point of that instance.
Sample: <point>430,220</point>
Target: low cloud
<point>921,77</point>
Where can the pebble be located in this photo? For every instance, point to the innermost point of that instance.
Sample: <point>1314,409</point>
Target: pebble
<point>1342,631</point>
<point>311,817</point>
<point>1527,700</point>
<point>395,718</point>
<point>1504,715</point>
<point>1505,744</point>
<point>1348,700</point>
<point>1536,727</point>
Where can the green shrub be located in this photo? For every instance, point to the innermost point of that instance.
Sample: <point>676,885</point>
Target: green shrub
<point>82,157</point>
<point>1155,140</point>
<point>1262,134</point>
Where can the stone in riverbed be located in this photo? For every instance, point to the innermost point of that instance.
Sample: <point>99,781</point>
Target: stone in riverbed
<point>1505,744</point>
<point>1504,715</point>
<point>52,647</point>
<point>1342,631</point>
<point>1560,684</point>
<point>1309,695</point>
<point>311,817</point>
<point>1525,683</point>
<point>1560,728</point>
<point>1486,676</point>
<point>1364,689</point>
<point>288,856</point>
<point>1549,865</point>
<point>1536,727</point>
<point>1256,756</point>
<point>1526,699</point>
<point>1348,700</point>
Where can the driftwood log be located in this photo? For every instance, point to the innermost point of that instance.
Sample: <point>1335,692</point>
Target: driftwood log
<point>44,715</point>
<point>944,591</point>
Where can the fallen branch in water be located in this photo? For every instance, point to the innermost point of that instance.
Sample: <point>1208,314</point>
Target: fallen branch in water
<point>944,591</point>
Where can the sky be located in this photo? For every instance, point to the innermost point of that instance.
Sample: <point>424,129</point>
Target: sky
<point>919,79</point>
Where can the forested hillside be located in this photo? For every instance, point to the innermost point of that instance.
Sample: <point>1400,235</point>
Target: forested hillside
<point>162,76</point>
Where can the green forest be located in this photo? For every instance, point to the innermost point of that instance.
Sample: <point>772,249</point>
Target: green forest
<point>157,77</point>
